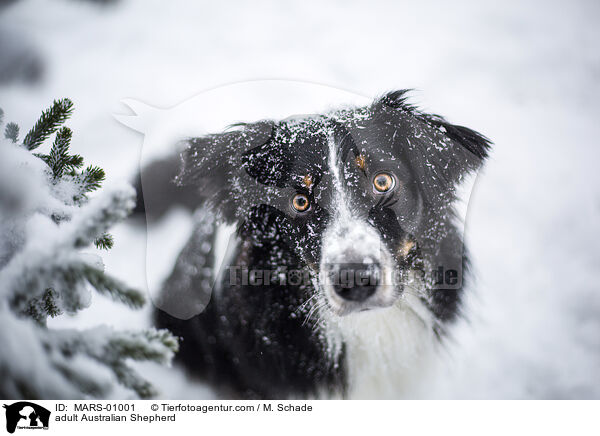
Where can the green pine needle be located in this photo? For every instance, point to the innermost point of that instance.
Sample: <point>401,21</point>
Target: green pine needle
<point>107,285</point>
<point>164,337</point>
<point>92,178</point>
<point>130,379</point>
<point>105,242</point>
<point>59,159</point>
<point>40,309</point>
<point>48,123</point>
<point>75,162</point>
<point>1,115</point>
<point>12,132</point>
<point>43,157</point>
<point>48,299</point>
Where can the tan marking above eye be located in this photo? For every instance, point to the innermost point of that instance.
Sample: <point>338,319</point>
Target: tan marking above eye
<point>360,161</point>
<point>406,247</point>
<point>307,180</point>
<point>383,182</point>
<point>300,202</point>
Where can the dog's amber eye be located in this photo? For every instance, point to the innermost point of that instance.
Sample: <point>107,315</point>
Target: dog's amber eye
<point>300,202</point>
<point>383,182</point>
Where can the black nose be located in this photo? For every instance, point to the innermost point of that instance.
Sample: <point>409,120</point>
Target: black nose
<point>357,281</point>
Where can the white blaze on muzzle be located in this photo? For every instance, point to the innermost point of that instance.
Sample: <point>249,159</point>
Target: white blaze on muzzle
<point>357,270</point>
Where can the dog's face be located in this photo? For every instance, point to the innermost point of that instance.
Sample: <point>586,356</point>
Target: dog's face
<point>362,197</point>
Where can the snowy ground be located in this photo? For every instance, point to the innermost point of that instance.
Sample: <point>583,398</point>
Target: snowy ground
<point>526,74</point>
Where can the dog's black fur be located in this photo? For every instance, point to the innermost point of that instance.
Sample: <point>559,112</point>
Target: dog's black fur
<point>254,342</point>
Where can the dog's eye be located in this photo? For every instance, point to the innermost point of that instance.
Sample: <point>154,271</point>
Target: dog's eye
<point>300,202</point>
<point>383,182</point>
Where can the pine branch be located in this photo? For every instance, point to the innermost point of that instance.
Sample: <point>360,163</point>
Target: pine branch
<point>49,303</point>
<point>41,308</point>
<point>105,242</point>
<point>44,307</point>
<point>130,379</point>
<point>152,345</point>
<point>75,162</point>
<point>1,116</point>
<point>111,287</point>
<point>101,214</point>
<point>40,354</point>
<point>28,293</point>
<point>43,157</point>
<point>48,275</point>
<point>86,383</point>
<point>59,159</point>
<point>12,132</point>
<point>112,348</point>
<point>148,345</point>
<point>68,280</point>
<point>48,123</point>
<point>91,179</point>
<point>29,273</point>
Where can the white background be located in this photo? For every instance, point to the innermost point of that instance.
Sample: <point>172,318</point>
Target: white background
<point>356,417</point>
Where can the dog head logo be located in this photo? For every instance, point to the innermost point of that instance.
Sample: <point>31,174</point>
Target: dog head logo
<point>26,415</point>
<point>357,187</point>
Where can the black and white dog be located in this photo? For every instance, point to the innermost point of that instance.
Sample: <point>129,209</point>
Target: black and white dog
<point>347,263</point>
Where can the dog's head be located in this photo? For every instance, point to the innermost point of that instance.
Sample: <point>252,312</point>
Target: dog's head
<point>362,196</point>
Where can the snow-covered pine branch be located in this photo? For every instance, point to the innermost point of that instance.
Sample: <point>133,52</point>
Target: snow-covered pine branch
<point>46,219</point>
<point>48,122</point>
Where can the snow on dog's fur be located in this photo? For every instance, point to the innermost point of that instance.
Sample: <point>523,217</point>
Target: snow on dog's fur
<point>347,264</point>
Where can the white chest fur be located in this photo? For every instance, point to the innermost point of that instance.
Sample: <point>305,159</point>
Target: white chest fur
<point>388,352</point>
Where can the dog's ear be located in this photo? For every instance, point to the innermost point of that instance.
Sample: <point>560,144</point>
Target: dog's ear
<point>440,153</point>
<point>214,166</point>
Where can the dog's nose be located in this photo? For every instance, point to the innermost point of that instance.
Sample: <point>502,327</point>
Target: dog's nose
<point>356,282</point>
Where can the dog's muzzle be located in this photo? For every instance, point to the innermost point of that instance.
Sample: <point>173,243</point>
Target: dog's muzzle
<point>355,281</point>
<point>357,270</point>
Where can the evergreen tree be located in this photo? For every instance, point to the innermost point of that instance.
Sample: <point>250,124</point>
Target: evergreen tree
<point>46,219</point>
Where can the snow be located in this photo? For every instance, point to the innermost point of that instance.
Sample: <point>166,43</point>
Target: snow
<point>525,74</point>
<point>39,258</point>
